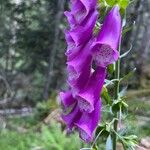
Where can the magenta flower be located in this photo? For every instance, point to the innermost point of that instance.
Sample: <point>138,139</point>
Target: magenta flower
<point>72,117</point>
<point>105,48</point>
<point>71,19</point>
<point>88,122</point>
<point>82,33</point>
<point>72,49</point>
<point>84,122</point>
<point>82,19</point>
<point>67,99</point>
<point>80,9</point>
<point>69,103</point>
<point>78,37</point>
<point>82,103</point>
<point>79,69</point>
<point>89,95</point>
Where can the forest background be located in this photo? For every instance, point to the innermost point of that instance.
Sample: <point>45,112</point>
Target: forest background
<point>33,71</point>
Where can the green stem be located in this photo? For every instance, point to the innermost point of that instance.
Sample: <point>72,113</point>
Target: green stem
<point>117,76</point>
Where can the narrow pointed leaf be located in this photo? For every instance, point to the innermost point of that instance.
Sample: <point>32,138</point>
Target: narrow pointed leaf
<point>126,53</point>
<point>111,69</point>
<point>105,95</point>
<point>128,76</point>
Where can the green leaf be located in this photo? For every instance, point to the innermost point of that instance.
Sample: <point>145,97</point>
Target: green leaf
<point>109,145</point>
<point>95,147</point>
<point>127,29</point>
<point>116,106</point>
<point>124,104</point>
<point>129,75</point>
<point>126,53</point>
<point>129,142</point>
<point>123,3</point>
<point>111,2</point>
<point>103,129</point>
<point>108,82</point>
<point>111,68</point>
<point>131,137</point>
<point>102,1</point>
<point>86,149</point>
<point>119,105</point>
<point>105,95</point>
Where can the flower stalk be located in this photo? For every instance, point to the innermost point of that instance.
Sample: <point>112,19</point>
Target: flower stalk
<point>116,96</point>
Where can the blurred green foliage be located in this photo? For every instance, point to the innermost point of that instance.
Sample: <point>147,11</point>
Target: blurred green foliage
<point>48,138</point>
<point>43,109</point>
<point>53,137</point>
<point>122,3</point>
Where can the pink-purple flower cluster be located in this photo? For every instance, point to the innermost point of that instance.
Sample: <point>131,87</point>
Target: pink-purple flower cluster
<point>82,102</point>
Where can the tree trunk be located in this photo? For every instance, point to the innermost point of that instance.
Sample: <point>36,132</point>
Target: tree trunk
<point>53,51</point>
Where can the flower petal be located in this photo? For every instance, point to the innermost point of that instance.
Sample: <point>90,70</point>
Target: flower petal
<point>67,98</point>
<point>83,33</point>
<point>88,122</point>
<point>71,20</point>
<point>72,117</point>
<point>105,48</point>
<point>79,69</point>
<point>81,8</point>
<point>104,55</point>
<point>72,49</point>
<point>90,94</point>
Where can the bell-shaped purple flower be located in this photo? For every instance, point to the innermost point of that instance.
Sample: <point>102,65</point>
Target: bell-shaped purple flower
<point>72,117</point>
<point>72,50</point>
<point>67,99</point>
<point>80,9</point>
<point>105,47</point>
<point>88,122</point>
<point>79,69</point>
<point>71,19</point>
<point>88,96</point>
<point>85,122</point>
<point>70,104</point>
<point>82,33</point>
<point>77,37</point>
<point>82,101</point>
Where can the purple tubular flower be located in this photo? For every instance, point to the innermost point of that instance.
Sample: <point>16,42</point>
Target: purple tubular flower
<point>77,37</point>
<point>67,99</point>
<point>81,8</point>
<point>72,117</point>
<point>83,32</point>
<point>79,69</point>
<point>88,123</point>
<point>72,49</point>
<point>82,101</point>
<point>91,93</point>
<point>105,48</point>
<point>80,31</point>
<point>70,42</point>
<point>70,18</point>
